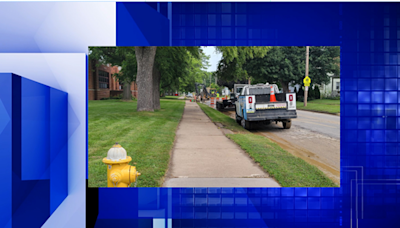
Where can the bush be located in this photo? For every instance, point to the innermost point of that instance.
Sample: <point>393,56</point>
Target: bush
<point>300,94</point>
<point>317,93</point>
<point>119,96</point>
<point>311,94</point>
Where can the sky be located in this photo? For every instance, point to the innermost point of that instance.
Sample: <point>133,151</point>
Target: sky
<point>214,57</point>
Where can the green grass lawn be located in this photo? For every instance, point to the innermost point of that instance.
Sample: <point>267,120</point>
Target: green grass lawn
<point>148,138</point>
<point>219,117</point>
<point>321,105</point>
<point>286,169</point>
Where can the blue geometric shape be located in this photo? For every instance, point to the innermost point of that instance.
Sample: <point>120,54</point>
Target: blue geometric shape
<point>5,155</point>
<point>4,117</point>
<point>127,29</point>
<point>35,135</point>
<point>58,148</point>
<point>34,151</point>
<point>134,29</point>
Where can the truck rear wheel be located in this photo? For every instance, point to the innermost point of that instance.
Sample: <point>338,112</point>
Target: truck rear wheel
<point>287,124</point>
<point>238,119</point>
<point>246,124</point>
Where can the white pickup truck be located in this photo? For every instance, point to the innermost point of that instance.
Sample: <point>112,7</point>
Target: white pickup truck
<point>262,103</point>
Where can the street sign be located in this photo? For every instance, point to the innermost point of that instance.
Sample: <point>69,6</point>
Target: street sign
<point>307,81</point>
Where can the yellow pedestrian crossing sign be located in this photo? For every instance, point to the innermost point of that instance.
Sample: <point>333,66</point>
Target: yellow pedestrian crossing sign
<point>307,81</point>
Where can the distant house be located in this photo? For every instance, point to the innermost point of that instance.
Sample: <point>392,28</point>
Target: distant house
<point>102,84</point>
<point>332,89</point>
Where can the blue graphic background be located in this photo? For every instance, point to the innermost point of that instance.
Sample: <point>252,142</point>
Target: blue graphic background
<point>47,42</point>
<point>369,37</point>
<point>35,135</point>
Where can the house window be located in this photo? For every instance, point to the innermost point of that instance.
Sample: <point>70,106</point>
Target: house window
<point>338,86</point>
<point>103,80</point>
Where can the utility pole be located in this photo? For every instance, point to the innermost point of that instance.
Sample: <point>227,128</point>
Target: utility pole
<point>306,87</point>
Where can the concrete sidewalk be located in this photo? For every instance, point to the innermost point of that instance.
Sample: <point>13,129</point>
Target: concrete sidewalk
<point>204,157</point>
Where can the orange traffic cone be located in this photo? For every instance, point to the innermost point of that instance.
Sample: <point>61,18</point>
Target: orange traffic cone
<point>272,95</point>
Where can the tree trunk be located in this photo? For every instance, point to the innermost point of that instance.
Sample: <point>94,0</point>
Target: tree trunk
<point>144,79</point>
<point>127,94</point>
<point>285,86</point>
<point>156,87</point>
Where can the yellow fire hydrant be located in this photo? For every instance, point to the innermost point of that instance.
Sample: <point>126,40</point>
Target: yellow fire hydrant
<point>119,172</point>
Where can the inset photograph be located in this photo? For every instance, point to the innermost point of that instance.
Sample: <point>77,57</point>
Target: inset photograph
<point>215,116</point>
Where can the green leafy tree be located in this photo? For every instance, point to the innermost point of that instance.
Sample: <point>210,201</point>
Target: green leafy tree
<point>117,56</point>
<point>155,69</point>
<point>281,65</point>
<point>284,65</point>
<point>180,68</point>
<point>231,68</point>
<point>323,60</point>
<point>162,63</point>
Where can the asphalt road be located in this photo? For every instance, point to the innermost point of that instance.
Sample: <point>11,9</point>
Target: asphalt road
<point>325,124</point>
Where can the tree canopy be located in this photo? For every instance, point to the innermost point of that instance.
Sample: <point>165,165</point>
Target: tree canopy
<point>180,67</point>
<point>230,68</point>
<point>284,65</point>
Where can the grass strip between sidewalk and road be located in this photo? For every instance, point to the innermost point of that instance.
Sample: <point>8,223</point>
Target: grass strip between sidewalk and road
<point>218,117</point>
<point>321,105</point>
<point>147,137</point>
<point>286,169</point>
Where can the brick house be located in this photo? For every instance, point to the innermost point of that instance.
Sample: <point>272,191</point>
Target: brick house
<point>102,84</point>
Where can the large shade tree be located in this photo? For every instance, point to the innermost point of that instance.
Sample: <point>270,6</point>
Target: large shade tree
<point>153,64</point>
<point>150,67</point>
<point>180,67</point>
